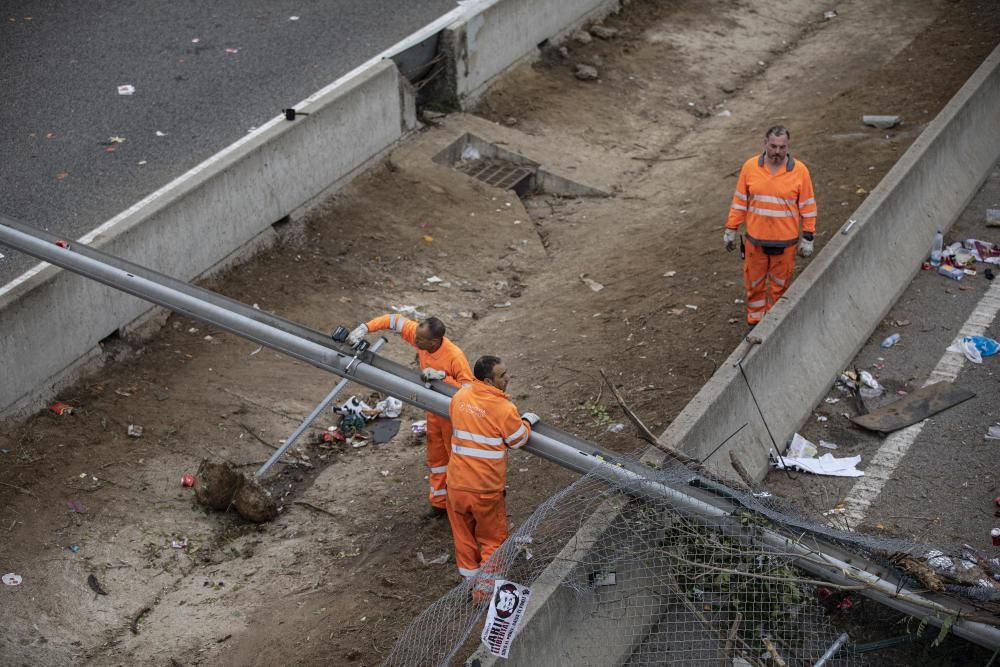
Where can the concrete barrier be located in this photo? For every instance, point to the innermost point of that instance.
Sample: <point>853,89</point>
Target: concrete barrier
<point>835,304</point>
<point>195,222</point>
<point>495,35</point>
<point>807,338</point>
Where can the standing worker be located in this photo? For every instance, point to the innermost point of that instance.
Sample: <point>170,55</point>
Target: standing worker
<point>485,424</point>
<point>440,359</point>
<point>774,197</point>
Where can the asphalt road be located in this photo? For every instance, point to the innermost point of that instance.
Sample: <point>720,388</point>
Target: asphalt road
<point>204,74</point>
<point>942,490</point>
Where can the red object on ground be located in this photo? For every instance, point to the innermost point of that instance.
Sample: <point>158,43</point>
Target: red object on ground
<point>997,501</point>
<point>61,408</point>
<point>187,480</point>
<point>63,244</point>
<point>845,604</point>
<point>995,533</point>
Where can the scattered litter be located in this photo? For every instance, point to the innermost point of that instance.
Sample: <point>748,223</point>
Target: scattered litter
<point>358,441</point>
<point>12,579</point>
<point>592,284</point>
<point>384,430</point>
<point>801,448</point>
<point>76,505</point>
<point>725,113</point>
<point>881,122</point>
<point>951,272</point>
<point>433,280</point>
<point>419,427</point>
<point>293,18</point>
<point>389,407</point>
<point>180,544</point>
<point>993,217</point>
<point>827,445</point>
<point>993,433</point>
<point>471,153</point>
<point>187,480</point>
<point>116,140</point>
<point>690,306</point>
<point>428,238</point>
<point>937,560</point>
<point>995,535</point>
<point>126,89</point>
<point>75,548</point>
<point>616,428</point>
<point>830,14</point>
<point>505,304</point>
<point>440,560</point>
<point>831,401</point>
<point>871,388</point>
<point>61,408</point>
<point>839,509</point>
<point>259,348</point>
<point>986,347</point>
<point>95,585</point>
<point>232,50</point>
<point>409,310</point>
<point>821,418</point>
<point>915,407</point>
<point>827,464</point>
<point>134,431</point>
<point>669,274</point>
<point>738,301</point>
<point>890,341</point>
<point>586,72</point>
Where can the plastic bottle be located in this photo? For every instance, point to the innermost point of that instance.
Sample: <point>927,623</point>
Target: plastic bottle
<point>937,248</point>
<point>891,340</point>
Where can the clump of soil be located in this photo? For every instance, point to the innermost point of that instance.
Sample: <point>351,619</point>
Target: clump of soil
<point>220,487</point>
<point>217,485</point>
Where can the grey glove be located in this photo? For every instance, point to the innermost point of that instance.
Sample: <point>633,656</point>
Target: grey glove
<point>530,417</point>
<point>729,238</point>
<point>805,246</point>
<point>358,334</point>
<point>430,374</point>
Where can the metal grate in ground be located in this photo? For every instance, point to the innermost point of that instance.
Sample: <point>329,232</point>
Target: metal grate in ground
<point>498,173</point>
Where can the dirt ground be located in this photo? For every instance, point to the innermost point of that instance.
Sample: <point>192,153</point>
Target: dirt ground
<point>337,576</point>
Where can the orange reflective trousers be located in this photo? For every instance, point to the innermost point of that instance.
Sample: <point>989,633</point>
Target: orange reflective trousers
<point>478,526</point>
<point>438,452</point>
<point>765,277</point>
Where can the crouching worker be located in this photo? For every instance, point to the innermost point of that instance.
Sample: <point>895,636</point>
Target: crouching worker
<point>485,424</point>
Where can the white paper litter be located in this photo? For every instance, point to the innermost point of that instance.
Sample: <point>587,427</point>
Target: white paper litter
<point>801,448</point>
<point>592,284</point>
<point>434,279</point>
<point>390,407</point>
<point>409,310</point>
<point>470,153</point>
<point>12,579</point>
<point>827,464</point>
<point>440,560</point>
<point>126,89</point>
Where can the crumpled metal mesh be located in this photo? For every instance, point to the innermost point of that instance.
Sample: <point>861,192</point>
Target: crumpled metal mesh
<point>651,585</point>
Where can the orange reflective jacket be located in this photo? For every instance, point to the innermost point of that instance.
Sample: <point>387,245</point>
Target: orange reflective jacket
<point>448,358</point>
<point>484,425</point>
<point>772,205</point>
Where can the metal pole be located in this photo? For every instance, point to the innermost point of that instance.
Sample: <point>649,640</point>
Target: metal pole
<point>832,651</point>
<point>311,418</point>
<point>547,442</point>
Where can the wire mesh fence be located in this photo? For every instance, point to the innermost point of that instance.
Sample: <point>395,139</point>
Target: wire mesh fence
<point>628,578</point>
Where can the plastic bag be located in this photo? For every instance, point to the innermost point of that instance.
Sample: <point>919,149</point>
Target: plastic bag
<point>968,348</point>
<point>987,346</point>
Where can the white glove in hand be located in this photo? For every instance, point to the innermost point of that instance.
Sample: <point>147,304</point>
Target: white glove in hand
<point>805,247</point>
<point>530,417</point>
<point>429,374</point>
<point>358,334</point>
<point>729,238</point>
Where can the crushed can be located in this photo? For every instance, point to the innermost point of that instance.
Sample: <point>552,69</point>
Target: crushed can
<point>187,480</point>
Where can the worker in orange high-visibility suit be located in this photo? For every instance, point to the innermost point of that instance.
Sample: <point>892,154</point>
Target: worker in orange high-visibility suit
<point>440,359</point>
<point>774,198</point>
<point>485,424</point>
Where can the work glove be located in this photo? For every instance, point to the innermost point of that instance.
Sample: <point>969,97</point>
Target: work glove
<point>729,238</point>
<point>430,374</point>
<point>530,417</point>
<point>806,245</point>
<point>358,334</point>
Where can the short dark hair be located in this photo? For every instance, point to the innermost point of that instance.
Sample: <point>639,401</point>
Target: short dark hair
<point>435,327</point>
<point>484,367</point>
<point>778,131</point>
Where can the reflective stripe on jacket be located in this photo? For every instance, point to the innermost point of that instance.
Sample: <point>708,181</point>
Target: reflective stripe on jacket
<point>448,358</point>
<point>485,424</point>
<point>773,205</point>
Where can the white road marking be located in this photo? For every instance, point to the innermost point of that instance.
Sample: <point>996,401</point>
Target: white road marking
<point>879,471</point>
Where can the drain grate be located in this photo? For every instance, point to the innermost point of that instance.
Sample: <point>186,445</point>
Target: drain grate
<point>498,173</point>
